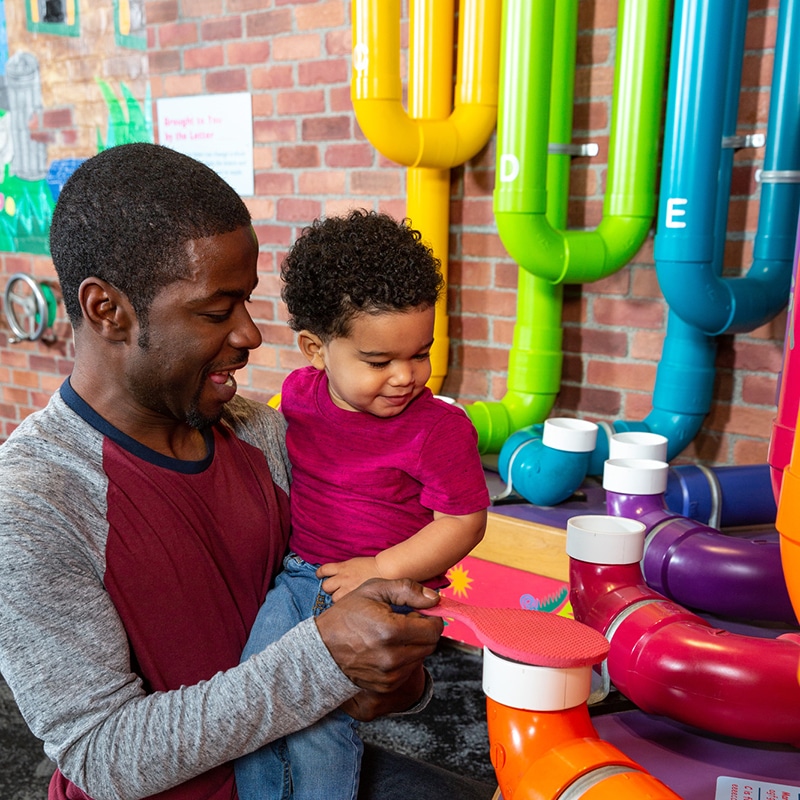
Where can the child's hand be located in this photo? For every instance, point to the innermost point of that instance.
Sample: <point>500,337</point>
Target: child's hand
<point>344,576</point>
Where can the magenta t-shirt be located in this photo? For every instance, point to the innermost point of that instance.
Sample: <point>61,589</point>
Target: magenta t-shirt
<point>362,483</point>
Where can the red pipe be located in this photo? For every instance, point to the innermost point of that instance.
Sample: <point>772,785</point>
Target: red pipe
<point>671,662</point>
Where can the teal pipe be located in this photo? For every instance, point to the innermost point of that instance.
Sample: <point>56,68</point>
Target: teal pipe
<point>689,244</point>
<point>530,198</point>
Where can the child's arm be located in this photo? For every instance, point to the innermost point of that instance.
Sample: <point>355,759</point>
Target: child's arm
<point>429,552</point>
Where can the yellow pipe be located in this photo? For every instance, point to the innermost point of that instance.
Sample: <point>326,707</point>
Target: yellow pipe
<point>377,89</point>
<point>436,133</point>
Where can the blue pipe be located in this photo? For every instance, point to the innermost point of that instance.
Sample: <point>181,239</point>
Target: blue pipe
<point>724,497</point>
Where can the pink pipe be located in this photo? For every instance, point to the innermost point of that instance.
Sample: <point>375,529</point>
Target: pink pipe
<point>671,662</point>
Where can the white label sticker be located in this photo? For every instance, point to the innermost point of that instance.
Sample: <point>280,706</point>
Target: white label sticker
<point>745,789</point>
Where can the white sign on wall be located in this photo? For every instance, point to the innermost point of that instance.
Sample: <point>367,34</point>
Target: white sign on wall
<point>216,129</point>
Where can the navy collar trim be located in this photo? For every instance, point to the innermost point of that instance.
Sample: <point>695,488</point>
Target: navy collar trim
<point>89,415</point>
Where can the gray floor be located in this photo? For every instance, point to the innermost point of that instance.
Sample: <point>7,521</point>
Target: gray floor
<point>451,732</point>
<point>24,769</point>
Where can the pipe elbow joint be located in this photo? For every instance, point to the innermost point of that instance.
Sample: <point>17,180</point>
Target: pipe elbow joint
<point>387,126</point>
<point>495,422</point>
<point>533,243</point>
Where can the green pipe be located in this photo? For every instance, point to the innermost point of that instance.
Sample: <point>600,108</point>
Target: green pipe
<point>530,198</point>
<point>630,199</point>
<point>536,356</point>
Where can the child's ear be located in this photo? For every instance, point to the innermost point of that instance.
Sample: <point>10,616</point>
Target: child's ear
<point>312,348</point>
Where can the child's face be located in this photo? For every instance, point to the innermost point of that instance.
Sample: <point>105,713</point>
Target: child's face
<point>383,364</point>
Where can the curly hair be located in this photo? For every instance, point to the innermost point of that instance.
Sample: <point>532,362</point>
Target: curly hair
<point>364,262</point>
<point>125,216</point>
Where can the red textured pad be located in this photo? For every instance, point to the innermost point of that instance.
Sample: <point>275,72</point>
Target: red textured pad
<point>539,638</point>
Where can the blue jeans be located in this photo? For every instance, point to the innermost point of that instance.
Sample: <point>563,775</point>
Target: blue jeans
<point>323,761</point>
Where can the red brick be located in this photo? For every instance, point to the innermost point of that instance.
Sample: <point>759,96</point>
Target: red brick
<point>647,345</point>
<point>759,390</point>
<point>263,105</point>
<point>177,34</point>
<point>297,210</point>
<point>470,273</point>
<point>620,376</point>
<point>482,245</point>
<point>323,182</point>
<point>270,23</point>
<point>183,85</point>
<point>596,16</point>
<point>164,61</point>
<point>741,419</point>
<point>272,77</point>
<point>161,11</point>
<point>274,130</point>
<point>274,235</point>
<point>594,83</point>
<point>241,6</point>
<point>274,183</point>
<point>339,43</point>
<point>487,301</point>
<point>596,342</point>
<point>375,183</point>
<point>761,33</point>
<point>248,52</point>
<point>204,57</point>
<point>298,103</point>
<point>339,100</point>
<point>644,283</point>
<point>225,28</point>
<point>752,357</point>
<point>628,313</point>
<point>750,451</point>
<point>349,155</point>
<point>491,358</point>
<point>757,69</point>
<point>593,48</point>
<point>316,129</point>
<point>300,156</point>
<point>329,70</point>
<point>296,48</point>
<point>588,400</point>
<point>231,80</point>
<point>322,15</point>
<point>57,118</point>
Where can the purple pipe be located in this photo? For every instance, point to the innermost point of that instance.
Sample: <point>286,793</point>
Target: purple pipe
<point>699,567</point>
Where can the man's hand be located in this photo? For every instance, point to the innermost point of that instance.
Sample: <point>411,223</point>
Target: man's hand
<point>366,705</point>
<point>379,650</point>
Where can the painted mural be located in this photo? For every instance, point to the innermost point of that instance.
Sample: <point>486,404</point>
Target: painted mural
<point>30,178</point>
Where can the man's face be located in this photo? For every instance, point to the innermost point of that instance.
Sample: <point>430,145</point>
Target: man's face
<point>384,362</point>
<point>198,332</point>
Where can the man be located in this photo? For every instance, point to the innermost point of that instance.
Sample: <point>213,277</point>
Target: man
<point>143,515</point>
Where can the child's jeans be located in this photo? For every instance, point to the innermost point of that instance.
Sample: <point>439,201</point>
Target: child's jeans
<point>322,762</point>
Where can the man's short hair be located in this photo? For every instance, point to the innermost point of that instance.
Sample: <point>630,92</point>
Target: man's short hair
<point>125,216</point>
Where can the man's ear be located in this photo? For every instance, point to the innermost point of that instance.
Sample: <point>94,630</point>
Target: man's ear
<point>312,348</point>
<point>106,310</point>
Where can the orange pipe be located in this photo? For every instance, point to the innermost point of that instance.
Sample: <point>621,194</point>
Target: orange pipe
<point>538,755</point>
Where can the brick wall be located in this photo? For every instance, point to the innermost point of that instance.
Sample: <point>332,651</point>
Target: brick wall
<point>311,159</point>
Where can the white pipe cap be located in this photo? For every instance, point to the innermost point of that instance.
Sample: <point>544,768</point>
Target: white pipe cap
<point>601,539</point>
<point>635,476</point>
<point>638,444</point>
<point>570,435</point>
<point>534,688</point>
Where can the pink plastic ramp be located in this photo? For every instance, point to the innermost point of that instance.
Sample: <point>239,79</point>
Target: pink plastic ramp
<point>532,637</point>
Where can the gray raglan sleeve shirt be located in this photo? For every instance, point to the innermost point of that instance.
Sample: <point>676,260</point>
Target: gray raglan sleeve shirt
<point>64,651</point>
